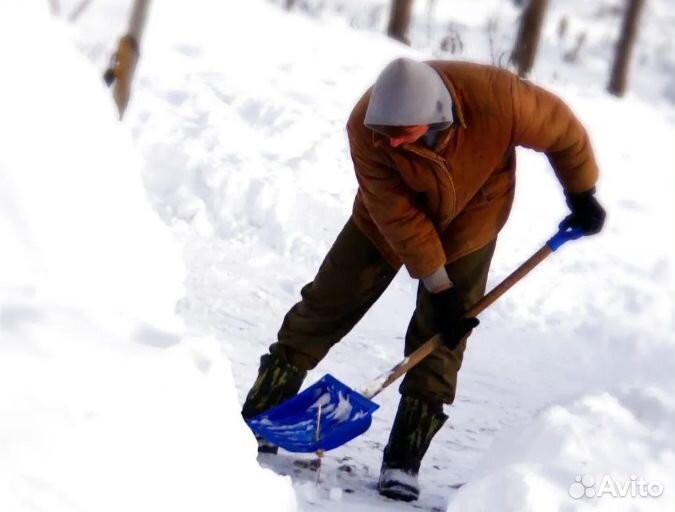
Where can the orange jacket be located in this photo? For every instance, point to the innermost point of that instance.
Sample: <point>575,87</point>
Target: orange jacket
<point>425,208</point>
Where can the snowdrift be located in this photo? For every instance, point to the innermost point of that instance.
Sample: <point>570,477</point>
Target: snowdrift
<point>104,407</point>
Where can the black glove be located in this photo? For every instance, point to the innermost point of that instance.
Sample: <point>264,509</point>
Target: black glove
<point>587,214</point>
<point>448,309</point>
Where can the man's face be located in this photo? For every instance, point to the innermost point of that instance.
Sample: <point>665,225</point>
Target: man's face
<point>409,134</point>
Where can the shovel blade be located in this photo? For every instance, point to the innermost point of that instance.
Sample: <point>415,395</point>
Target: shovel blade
<point>324,416</point>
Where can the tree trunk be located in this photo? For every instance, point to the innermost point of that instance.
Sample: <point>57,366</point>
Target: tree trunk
<point>137,20</point>
<point>525,49</point>
<point>55,7</point>
<point>619,78</point>
<point>123,63</point>
<point>399,20</point>
<point>77,12</point>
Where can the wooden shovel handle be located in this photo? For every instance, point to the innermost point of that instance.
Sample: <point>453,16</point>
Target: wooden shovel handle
<point>435,341</point>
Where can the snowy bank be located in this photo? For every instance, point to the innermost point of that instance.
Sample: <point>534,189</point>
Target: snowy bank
<point>103,407</point>
<point>73,208</point>
<point>239,115</point>
<point>603,451</point>
<point>101,415</point>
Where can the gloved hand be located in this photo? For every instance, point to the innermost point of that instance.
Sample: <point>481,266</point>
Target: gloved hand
<point>448,309</point>
<point>587,214</point>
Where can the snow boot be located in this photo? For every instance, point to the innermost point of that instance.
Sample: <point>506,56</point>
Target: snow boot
<point>277,381</point>
<point>415,425</point>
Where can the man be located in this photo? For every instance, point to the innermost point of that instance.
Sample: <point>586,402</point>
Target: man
<point>433,146</point>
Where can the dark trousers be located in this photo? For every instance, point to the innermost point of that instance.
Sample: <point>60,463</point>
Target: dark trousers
<point>351,278</point>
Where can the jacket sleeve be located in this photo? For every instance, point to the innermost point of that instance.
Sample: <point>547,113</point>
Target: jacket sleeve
<point>541,121</point>
<point>390,204</point>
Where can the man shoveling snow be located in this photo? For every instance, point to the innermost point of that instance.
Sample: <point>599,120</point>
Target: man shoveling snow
<point>433,146</point>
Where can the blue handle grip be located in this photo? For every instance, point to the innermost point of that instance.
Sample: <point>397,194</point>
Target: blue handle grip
<point>564,235</point>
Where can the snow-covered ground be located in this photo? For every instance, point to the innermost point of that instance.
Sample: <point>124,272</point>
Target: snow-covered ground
<point>238,118</point>
<point>106,402</point>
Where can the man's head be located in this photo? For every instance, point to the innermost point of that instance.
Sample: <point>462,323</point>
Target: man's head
<point>408,99</point>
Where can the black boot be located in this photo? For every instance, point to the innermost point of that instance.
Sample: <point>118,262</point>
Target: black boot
<point>415,425</point>
<point>277,381</point>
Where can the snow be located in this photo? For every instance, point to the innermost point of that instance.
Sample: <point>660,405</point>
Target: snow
<point>338,412</point>
<point>343,410</point>
<point>613,437</point>
<point>400,476</point>
<point>74,209</point>
<point>321,402</point>
<point>106,403</point>
<point>97,419</point>
<point>373,387</point>
<point>335,494</point>
<point>237,116</point>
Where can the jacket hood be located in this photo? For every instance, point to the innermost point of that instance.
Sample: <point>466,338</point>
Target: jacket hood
<point>408,93</point>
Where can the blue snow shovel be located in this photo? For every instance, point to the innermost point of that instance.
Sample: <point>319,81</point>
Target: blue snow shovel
<point>329,413</point>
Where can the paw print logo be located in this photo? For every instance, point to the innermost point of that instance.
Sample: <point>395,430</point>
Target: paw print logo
<point>582,487</point>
